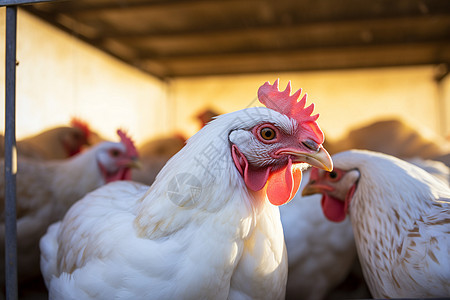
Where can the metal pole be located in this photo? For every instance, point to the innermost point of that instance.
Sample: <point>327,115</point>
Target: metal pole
<point>10,155</point>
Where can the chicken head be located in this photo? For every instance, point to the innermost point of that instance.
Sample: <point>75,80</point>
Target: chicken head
<point>337,188</point>
<point>115,160</point>
<point>271,155</point>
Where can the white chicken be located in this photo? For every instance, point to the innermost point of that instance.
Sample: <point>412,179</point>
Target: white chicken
<point>320,252</point>
<point>47,189</point>
<point>206,229</point>
<point>401,220</point>
<point>435,168</point>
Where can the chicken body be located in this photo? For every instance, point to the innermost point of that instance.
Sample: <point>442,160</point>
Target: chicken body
<point>393,137</point>
<point>154,155</point>
<point>46,190</point>
<point>320,252</point>
<point>400,216</point>
<point>55,143</point>
<point>127,256</point>
<point>435,168</point>
<point>199,232</point>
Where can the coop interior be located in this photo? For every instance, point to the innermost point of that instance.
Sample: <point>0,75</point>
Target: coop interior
<point>376,71</point>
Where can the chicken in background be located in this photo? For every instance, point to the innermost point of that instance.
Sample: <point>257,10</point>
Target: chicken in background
<point>92,137</point>
<point>321,253</point>
<point>208,227</point>
<point>307,278</point>
<point>154,154</point>
<point>56,143</point>
<point>47,189</point>
<point>400,216</point>
<point>206,116</point>
<point>392,137</point>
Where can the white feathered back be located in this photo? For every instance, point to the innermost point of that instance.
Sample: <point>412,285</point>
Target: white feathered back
<point>400,216</point>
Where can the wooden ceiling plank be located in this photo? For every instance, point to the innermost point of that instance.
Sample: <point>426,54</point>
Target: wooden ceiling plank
<point>328,7</point>
<point>114,7</point>
<point>25,2</point>
<point>327,59</point>
<point>312,34</point>
<point>380,21</point>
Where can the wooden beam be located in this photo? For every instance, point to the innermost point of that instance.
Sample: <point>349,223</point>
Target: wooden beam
<point>114,6</point>
<point>309,36</point>
<point>300,60</point>
<point>370,7</point>
<point>381,23</point>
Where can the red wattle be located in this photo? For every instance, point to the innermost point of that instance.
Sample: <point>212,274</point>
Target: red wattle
<point>239,159</point>
<point>255,179</point>
<point>283,184</point>
<point>333,209</point>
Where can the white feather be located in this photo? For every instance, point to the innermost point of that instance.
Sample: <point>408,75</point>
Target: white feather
<point>197,233</point>
<point>401,220</point>
<point>320,252</point>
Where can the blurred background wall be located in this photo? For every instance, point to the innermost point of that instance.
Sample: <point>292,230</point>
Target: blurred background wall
<point>344,99</point>
<point>59,77</point>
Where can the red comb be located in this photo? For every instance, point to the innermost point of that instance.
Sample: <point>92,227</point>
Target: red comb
<point>128,142</point>
<point>285,103</point>
<point>78,123</point>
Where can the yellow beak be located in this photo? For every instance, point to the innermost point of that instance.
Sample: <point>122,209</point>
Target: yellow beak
<point>135,163</point>
<point>320,159</point>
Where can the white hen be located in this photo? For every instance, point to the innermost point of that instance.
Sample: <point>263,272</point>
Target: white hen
<point>320,252</point>
<point>206,229</point>
<point>401,220</point>
<point>47,189</point>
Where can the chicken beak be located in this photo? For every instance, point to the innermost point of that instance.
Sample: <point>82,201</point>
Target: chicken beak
<point>320,159</point>
<point>135,163</point>
<point>309,190</point>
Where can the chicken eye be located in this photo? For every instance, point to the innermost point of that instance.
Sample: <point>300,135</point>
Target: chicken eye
<point>267,133</point>
<point>333,175</point>
<point>76,136</point>
<point>114,152</point>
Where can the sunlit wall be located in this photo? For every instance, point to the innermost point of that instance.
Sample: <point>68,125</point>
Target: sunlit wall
<point>59,77</point>
<point>344,99</point>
